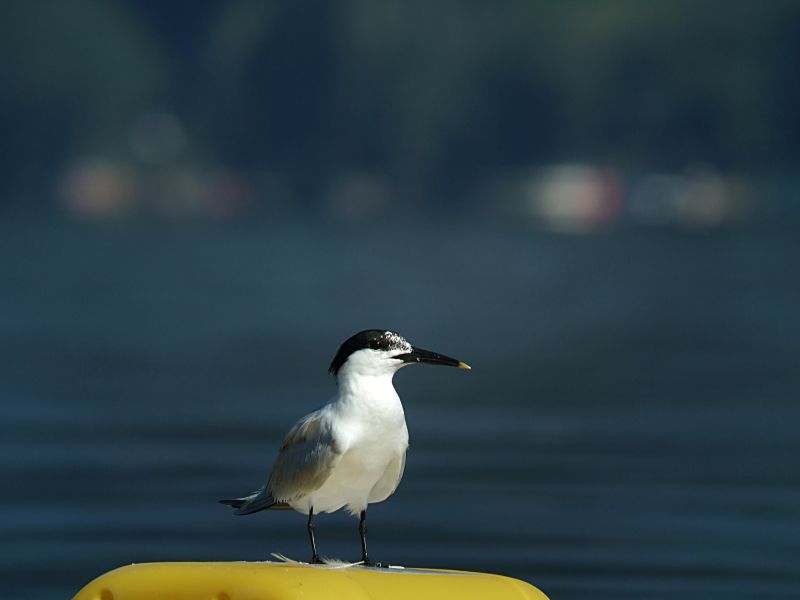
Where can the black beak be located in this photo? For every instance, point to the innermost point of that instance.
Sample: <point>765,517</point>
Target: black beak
<point>418,355</point>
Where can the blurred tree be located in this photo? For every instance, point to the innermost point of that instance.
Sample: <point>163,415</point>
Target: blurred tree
<point>271,104</point>
<point>431,95</point>
<point>73,76</point>
<point>782,93</point>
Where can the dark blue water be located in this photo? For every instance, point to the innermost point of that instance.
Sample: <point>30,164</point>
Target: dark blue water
<point>629,427</point>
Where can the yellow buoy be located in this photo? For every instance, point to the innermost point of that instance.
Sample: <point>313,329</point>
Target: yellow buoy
<point>292,581</point>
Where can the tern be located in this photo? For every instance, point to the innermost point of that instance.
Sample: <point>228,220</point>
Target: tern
<point>352,451</point>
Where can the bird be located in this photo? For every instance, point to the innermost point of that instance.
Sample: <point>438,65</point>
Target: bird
<point>351,452</point>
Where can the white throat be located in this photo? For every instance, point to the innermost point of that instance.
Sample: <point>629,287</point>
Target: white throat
<point>365,381</point>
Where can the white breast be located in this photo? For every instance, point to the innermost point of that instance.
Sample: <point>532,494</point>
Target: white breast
<point>371,431</point>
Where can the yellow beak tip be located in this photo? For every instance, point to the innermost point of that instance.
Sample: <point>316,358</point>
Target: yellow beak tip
<point>463,365</point>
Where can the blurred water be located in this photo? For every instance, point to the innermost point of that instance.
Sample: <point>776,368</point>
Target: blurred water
<point>629,426</point>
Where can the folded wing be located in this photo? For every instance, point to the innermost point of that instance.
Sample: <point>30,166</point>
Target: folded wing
<point>307,457</point>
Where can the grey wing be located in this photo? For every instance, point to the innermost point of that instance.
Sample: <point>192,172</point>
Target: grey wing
<point>391,479</point>
<point>308,455</point>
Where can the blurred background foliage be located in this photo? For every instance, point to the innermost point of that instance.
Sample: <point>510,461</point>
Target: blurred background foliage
<point>431,96</point>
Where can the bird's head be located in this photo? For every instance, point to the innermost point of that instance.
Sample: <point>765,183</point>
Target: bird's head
<point>379,352</point>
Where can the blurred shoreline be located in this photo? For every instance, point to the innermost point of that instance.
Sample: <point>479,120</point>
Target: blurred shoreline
<point>570,198</point>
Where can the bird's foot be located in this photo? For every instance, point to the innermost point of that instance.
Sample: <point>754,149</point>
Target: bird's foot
<point>316,560</point>
<point>365,562</point>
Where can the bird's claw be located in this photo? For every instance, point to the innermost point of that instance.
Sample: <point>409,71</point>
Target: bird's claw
<point>376,565</point>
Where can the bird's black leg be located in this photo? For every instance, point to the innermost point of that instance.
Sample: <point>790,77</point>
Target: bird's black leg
<point>315,560</point>
<point>362,531</point>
